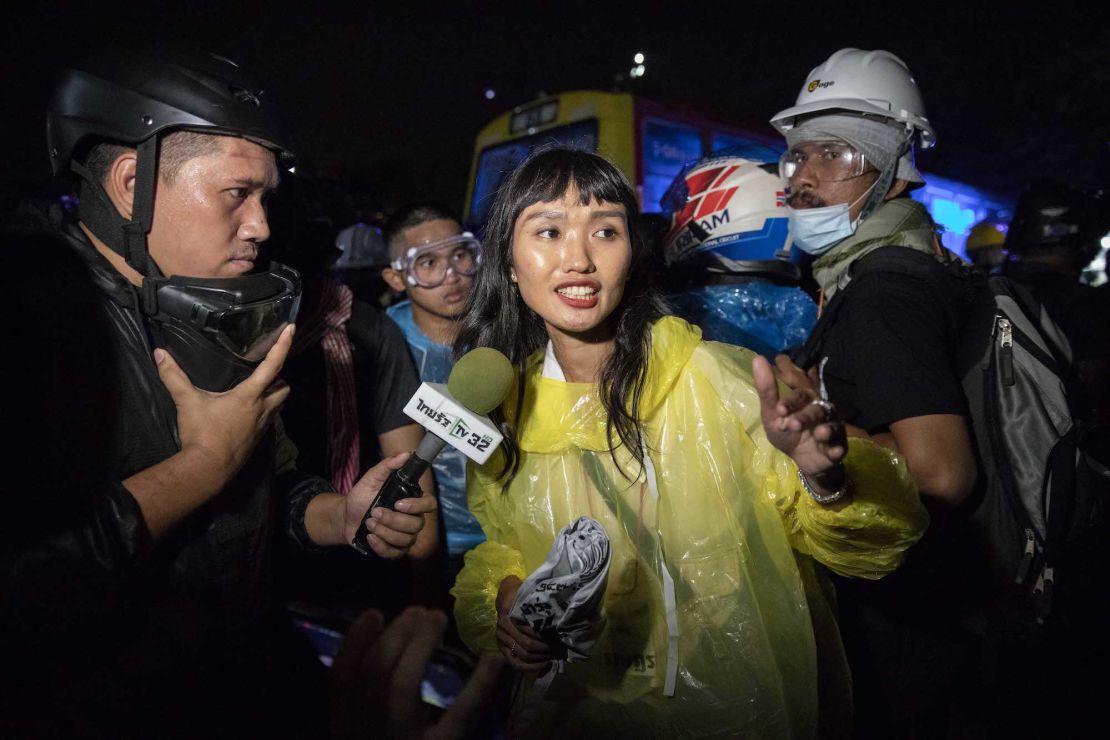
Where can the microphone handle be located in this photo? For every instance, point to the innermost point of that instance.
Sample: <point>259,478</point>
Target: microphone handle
<point>401,483</point>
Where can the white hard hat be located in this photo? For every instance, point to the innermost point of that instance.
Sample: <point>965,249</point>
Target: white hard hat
<point>871,82</point>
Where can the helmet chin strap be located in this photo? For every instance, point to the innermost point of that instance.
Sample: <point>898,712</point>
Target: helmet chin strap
<point>882,185</point>
<point>126,238</point>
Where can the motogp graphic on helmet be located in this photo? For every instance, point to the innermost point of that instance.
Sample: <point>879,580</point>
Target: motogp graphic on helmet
<point>728,205</point>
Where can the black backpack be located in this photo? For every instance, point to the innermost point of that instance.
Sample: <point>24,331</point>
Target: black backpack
<point>1038,492</point>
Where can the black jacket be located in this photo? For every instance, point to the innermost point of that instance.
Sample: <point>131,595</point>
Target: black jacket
<point>92,616</point>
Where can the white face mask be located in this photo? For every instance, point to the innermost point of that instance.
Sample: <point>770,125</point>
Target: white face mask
<point>816,230</point>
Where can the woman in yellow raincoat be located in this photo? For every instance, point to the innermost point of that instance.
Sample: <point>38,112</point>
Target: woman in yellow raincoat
<point>622,414</point>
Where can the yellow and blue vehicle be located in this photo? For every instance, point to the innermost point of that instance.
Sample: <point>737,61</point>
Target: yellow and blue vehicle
<point>651,142</point>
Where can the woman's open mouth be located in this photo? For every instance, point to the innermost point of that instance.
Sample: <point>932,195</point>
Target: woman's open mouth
<point>579,295</point>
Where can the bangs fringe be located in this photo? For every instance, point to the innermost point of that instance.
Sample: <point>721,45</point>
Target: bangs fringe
<point>592,180</point>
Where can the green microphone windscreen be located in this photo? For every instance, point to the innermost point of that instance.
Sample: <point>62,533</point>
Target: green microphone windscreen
<point>481,379</point>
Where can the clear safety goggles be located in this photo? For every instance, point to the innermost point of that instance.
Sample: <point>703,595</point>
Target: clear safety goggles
<point>427,265</point>
<point>829,161</point>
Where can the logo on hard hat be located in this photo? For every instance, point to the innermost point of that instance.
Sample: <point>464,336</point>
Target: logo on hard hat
<point>817,83</point>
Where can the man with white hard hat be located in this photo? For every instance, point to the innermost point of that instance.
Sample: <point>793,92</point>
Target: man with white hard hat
<point>887,364</point>
<point>851,139</point>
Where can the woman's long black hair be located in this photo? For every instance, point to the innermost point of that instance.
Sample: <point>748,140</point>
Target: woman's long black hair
<point>496,316</point>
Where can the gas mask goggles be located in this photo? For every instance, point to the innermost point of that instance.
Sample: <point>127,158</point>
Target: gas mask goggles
<point>427,265</point>
<point>219,329</point>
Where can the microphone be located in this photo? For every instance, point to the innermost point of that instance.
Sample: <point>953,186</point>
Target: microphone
<point>454,414</point>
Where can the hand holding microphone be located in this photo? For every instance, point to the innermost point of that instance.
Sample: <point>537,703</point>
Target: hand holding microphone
<point>392,534</point>
<point>453,414</point>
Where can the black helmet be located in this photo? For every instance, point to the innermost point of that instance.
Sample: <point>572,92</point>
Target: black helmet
<point>216,329</point>
<point>134,99</point>
<point>128,99</point>
<point>1051,213</point>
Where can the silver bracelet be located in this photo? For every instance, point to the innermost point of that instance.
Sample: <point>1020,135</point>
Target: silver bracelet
<point>823,499</point>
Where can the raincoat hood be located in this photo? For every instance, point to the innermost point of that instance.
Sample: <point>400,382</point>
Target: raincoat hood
<point>673,341</point>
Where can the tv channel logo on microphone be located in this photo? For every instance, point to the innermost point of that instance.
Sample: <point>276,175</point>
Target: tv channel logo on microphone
<point>435,409</point>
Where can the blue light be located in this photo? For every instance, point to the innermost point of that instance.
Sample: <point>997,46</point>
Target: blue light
<point>957,206</point>
<point>667,147</point>
<point>746,147</point>
<point>951,216</point>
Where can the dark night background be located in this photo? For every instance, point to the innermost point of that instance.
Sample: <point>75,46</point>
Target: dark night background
<point>391,99</point>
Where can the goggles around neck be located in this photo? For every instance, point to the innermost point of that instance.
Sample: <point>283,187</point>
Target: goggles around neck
<point>427,265</point>
<point>219,329</point>
<point>829,161</point>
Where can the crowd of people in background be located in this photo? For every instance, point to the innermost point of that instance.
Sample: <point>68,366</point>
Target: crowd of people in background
<point>773,416</point>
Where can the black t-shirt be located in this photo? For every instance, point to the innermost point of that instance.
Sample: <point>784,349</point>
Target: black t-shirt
<point>385,380</point>
<point>342,579</point>
<point>891,351</point>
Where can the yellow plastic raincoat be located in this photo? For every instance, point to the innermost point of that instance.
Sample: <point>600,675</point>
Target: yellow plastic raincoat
<point>708,631</point>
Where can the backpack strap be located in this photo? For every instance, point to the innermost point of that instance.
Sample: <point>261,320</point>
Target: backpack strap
<point>901,260</point>
<point>1059,359</point>
<point>885,259</point>
<point>1059,495</point>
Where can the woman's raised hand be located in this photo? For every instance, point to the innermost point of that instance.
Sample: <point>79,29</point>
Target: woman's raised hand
<point>803,426</point>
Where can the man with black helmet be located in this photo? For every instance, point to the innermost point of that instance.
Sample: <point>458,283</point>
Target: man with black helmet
<point>181,635</point>
<point>1054,234</point>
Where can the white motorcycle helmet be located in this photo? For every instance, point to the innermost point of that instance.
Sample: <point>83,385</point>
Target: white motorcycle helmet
<point>875,83</point>
<point>728,215</point>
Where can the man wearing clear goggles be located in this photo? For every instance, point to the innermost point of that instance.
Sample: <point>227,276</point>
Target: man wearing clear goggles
<point>884,352</point>
<point>434,262</point>
<point>830,161</point>
<point>850,138</point>
<point>429,265</point>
